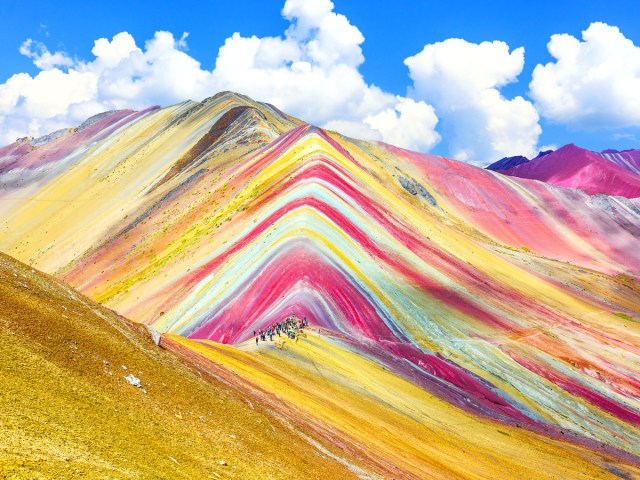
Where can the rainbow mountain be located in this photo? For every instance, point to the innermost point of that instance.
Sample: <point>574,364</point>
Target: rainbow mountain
<point>457,313</point>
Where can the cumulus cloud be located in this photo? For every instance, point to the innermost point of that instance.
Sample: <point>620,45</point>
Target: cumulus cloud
<point>311,71</point>
<point>409,123</point>
<point>592,83</point>
<point>66,91</point>
<point>161,73</point>
<point>42,58</point>
<point>462,81</point>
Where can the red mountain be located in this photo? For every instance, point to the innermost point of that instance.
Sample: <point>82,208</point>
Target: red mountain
<point>610,172</point>
<point>627,159</point>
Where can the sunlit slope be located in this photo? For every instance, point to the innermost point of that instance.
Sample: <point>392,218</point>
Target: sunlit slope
<point>511,299</point>
<point>325,382</point>
<point>66,410</point>
<point>28,165</point>
<point>128,172</point>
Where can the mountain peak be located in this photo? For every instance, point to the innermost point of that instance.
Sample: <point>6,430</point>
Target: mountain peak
<point>228,95</point>
<point>611,173</point>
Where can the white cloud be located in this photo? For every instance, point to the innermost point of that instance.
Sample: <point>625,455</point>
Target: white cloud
<point>65,92</point>
<point>42,58</point>
<point>310,72</point>
<point>329,38</point>
<point>546,148</point>
<point>162,73</point>
<point>462,81</point>
<point>593,83</point>
<point>624,136</point>
<point>409,123</point>
<point>111,53</point>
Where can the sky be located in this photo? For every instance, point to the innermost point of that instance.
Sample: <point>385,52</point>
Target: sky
<point>475,81</point>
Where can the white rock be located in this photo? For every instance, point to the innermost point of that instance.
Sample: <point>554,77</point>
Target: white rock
<point>135,381</point>
<point>155,335</point>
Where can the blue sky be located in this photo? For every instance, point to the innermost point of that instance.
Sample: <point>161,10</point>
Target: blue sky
<point>392,31</point>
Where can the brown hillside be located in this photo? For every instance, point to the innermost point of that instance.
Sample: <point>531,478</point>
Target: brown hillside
<point>66,410</point>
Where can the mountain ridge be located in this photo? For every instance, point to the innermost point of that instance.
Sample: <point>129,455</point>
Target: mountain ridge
<point>493,293</point>
<point>609,172</point>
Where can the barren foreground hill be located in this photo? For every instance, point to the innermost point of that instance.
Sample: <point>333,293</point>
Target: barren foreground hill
<point>67,410</point>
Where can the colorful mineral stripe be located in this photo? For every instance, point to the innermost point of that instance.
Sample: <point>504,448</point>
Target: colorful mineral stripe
<point>514,300</point>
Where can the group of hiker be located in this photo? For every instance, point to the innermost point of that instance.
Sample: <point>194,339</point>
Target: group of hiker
<point>291,327</point>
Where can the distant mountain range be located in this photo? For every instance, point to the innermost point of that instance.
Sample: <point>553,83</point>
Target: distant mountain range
<point>609,172</point>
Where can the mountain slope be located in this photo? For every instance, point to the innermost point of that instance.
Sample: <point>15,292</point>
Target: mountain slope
<point>514,301</point>
<point>395,422</point>
<point>627,159</point>
<point>611,173</point>
<point>67,411</point>
<point>29,164</point>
